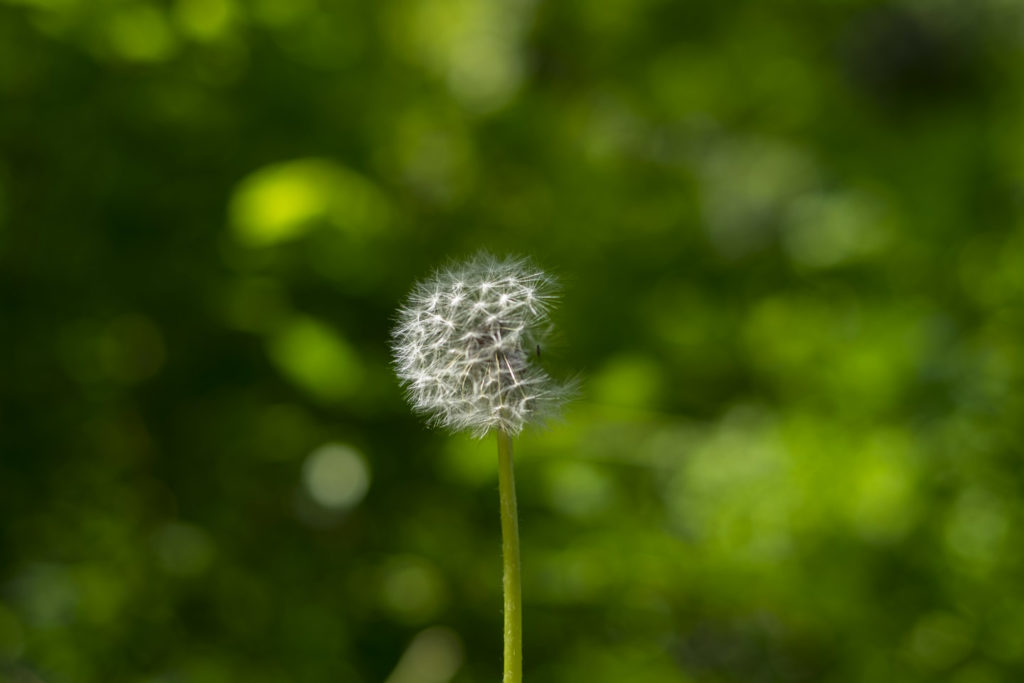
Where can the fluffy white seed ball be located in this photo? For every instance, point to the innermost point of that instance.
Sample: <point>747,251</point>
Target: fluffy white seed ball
<point>466,341</point>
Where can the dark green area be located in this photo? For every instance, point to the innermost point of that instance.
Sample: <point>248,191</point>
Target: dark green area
<point>791,242</point>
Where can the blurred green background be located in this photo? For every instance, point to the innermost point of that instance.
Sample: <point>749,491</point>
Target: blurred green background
<point>791,241</point>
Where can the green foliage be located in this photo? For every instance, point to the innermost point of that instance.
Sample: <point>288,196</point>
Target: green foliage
<point>792,246</point>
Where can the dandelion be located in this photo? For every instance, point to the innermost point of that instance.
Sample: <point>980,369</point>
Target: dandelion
<point>465,342</point>
<point>464,349</point>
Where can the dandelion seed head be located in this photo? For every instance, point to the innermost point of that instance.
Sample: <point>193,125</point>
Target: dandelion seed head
<point>462,346</point>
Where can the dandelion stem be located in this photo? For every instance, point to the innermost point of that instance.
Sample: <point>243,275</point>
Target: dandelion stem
<point>510,555</point>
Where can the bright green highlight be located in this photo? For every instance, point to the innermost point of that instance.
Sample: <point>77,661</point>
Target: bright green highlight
<point>316,358</point>
<point>283,201</point>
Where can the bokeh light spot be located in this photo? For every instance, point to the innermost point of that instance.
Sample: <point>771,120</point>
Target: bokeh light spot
<point>882,502</point>
<point>336,476</point>
<point>316,358</point>
<point>435,655</point>
<point>278,203</point>
<point>283,201</point>
<point>140,32</point>
<point>474,46</point>
<point>825,230</point>
<point>204,20</point>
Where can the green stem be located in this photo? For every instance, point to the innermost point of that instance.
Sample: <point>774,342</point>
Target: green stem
<point>510,555</point>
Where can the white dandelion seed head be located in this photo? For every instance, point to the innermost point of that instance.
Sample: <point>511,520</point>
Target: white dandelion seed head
<point>465,342</point>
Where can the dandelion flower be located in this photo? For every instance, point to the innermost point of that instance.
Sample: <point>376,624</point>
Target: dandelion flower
<point>466,342</point>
